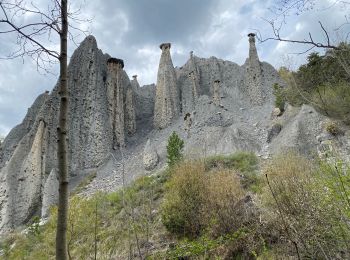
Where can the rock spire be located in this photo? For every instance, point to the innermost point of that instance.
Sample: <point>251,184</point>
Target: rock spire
<point>115,100</point>
<point>253,75</point>
<point>167,101</point>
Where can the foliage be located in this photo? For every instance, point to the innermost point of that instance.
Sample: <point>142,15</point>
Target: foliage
<point>322,82</point>
<point>174,149</point>
<point>279,97</point>
<point>245,163</point>
<point>105,222</point>
<point>333,100</point>
<point>291,92</point>
<point>34,227</point>
<point>301,201</point>
<point>182,209</point>
<point>204,205</point>
<point>240,161</point>
<point>208,213</point>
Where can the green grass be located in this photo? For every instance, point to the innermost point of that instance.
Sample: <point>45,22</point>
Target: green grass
<point>245,163</point>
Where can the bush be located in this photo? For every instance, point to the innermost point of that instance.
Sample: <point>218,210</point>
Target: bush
<point>279,97</point>
<point>174,149</point>
<point>245,163</point>
<point>240,161</point>
<point>211,212</point>
<point>182,210</point>
<point>332,128</point>
<point>302,210</point>
<point>333,100</point>
<point>224,206</point>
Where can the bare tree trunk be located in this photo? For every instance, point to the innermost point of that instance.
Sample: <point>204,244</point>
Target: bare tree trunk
<point>61,233</point>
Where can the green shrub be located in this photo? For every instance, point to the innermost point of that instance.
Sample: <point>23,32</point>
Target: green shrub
<point>245,163</point>
<point>279,97</point>
<point>333,100</point>
<point>182,209</point>
<point>240,161</point>
<point>206,208</point>
<point>174,149</point>
<point>302,209</point>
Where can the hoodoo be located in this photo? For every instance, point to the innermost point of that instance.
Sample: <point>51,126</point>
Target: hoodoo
<point>115,100</point>
<point>253,76</point>
<point>167,101</point>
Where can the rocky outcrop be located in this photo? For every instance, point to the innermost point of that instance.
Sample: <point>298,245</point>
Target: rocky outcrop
<point>150,156</point>
<point>167,100</point>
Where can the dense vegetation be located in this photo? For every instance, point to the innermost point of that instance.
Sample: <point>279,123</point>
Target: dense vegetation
<point>215,208</point>
<point>323,83</point>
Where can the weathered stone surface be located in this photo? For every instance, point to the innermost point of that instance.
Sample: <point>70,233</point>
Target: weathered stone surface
<point>150,156</point>
<point>167,102</point>
<point>216,93</point>
<point>90,135</point>
<point>115,94</point>
<point>276,112</point>
<point>273,131</point>
<point>130,114</point>
<point>253,80</point>
<point>50,193</point>
<point>21,180</point>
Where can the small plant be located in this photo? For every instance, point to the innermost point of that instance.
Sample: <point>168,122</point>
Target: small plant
<point>34,227</point>
<point>280,99</point>
<point>332,128</point>
<point>174,149</point>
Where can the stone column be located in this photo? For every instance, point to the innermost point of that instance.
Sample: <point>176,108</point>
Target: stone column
<point>253,76</point>
<point>130,115</point>
<point>193,77</point>
<point>115,100</point>
<point>253,54</point>
<point>167,100</point>
<point>216,93</point>
<point>134,83</point>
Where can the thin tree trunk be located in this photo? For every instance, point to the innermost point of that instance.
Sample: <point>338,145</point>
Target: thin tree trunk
<point>61,233</point>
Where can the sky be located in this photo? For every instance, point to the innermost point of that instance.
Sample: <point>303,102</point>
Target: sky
<point>132,30</point>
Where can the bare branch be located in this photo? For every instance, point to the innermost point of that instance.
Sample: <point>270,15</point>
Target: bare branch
<point>277,37</point>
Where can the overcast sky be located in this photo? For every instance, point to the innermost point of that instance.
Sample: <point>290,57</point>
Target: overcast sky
<point>132,30</point>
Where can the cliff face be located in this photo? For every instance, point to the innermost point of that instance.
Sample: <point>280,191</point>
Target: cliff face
<point>28,154</point>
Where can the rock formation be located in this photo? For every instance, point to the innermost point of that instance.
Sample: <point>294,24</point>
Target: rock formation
<point>134,83</point>
<point>115,92</point>
<point>50,193</point>
<point>28,153</point>
<point>167,102</point>
<point>105,108</point>
<point>130,114</point>
<point>216,93</point>
<point>150,156</point>
<point>253,78</point>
